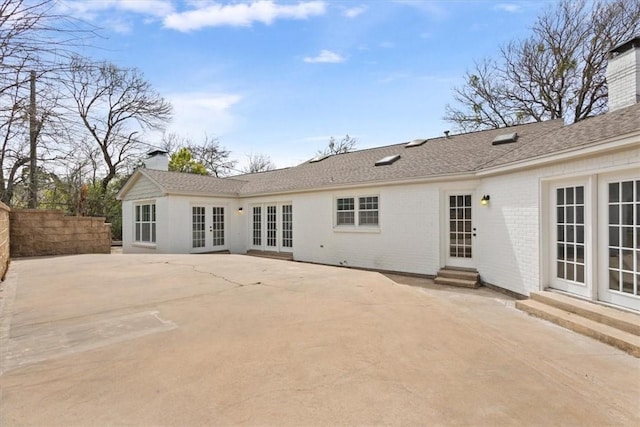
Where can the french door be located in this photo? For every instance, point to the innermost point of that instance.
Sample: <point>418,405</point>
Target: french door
<point>461,231</point>
<point>619,239</point>
<point>207,228</point>
<point>272,227</point>
<point>570,238</point>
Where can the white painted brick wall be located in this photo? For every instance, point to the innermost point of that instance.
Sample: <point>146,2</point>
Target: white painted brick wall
<point>408,238</point>
<point>623,79</point>
<point>509,228</point>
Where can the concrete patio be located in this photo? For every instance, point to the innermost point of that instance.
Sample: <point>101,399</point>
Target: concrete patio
<point>235,340</point>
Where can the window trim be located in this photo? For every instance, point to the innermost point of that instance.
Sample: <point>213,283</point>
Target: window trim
<point>356,226</point>
<point>153,221</point>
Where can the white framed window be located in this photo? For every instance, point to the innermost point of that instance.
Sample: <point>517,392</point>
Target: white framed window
<point>345,215</point>
<point>145,223</point>
<point>257,226</point>
<point>570,233</point>
<point>217,227</point>
<point>198,227</point>
<point>358,211</point>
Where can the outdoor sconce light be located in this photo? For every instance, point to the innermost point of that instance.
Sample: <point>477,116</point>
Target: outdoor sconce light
<point>485,200</point>
<point>240,210</point>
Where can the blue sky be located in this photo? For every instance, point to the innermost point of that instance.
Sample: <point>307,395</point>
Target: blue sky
<point>280,78</point>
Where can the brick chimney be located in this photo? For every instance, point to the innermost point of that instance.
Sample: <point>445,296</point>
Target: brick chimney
<point>623,74</point>
<point>158,160</point>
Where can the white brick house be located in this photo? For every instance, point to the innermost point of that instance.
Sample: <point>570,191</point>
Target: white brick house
<point>563,208</point>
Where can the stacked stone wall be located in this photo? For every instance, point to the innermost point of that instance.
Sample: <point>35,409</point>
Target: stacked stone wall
<point>36,232</point>
<point>4,239</point>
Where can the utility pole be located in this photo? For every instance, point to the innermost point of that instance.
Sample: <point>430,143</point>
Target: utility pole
<point>33,134</point>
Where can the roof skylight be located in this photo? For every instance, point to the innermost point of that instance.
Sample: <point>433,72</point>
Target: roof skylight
<point>505,138</point>
<point>319,158</point>
<point>387,160</point>
<point>416,143</point>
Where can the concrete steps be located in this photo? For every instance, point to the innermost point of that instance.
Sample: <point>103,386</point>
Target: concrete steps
<point>460,277</point>
<point>287,256</point>
<point>618,328</point>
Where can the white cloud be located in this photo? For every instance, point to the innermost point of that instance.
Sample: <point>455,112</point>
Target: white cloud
<point>326,57</point>
<point>197,113</point>
<point>241,14</point>
<point>355,11</point>
<point>508,7</point>
<point>387,45</point>
<point>118,25</point>
<point>90,9</point>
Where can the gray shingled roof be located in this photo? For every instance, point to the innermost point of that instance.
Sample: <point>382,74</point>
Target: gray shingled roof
<point>457,154</point>
<point>177,182</point>
<point>586,132</point>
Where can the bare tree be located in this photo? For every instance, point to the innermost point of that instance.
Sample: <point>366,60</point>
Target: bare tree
<point>345,145</point>
<point>557,72</point>
<point>213,156</point>
<point>258,163</point>
<point>114,106</point>
<point>33,39</point>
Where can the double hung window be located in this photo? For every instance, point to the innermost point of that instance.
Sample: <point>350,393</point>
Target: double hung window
<point>357,211</point>
<point>145,223</point>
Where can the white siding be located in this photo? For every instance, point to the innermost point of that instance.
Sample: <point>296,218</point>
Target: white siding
<point>143,188</point>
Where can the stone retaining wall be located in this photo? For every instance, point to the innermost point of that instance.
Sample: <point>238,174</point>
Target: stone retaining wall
<point>36,232</point>
<point>4,239</point>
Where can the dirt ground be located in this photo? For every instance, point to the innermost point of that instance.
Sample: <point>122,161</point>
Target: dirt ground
<point>234,340</point>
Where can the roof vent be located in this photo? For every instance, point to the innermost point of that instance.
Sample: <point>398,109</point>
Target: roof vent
<point>319,158</point>
<point>387,160</point>
<point>416,143</point>
<point>505,138</point>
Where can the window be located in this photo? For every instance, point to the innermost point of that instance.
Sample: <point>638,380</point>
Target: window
<point>460,226</point>
<point>218,226</point>
<point>287,226</point>
<point>365,215</point>
<point>368,210</point>
<point>197,227</point>
<point>346,211</point>
<point>257,225</point>
<point>624,237</point>
<point>570,234</point>
<point>145,223</point>
<point>272,226</point>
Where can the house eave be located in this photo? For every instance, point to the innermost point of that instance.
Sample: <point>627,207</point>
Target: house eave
<point>200,194</point>
<point>365,184</point>
<point>608,145</point>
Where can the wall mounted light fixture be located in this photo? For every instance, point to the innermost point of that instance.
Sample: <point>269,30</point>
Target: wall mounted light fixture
<point>240,210</point>
<point>485,200</point>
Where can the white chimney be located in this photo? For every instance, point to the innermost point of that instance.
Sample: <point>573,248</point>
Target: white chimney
<point>158,160</point>
<point>623,74</point>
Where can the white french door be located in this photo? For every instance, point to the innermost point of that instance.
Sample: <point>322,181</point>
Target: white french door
<point>272,227</point>
<point>570,237</point>
<point>460,238</point>
<point>207,228</point>
<point>619,237</point>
